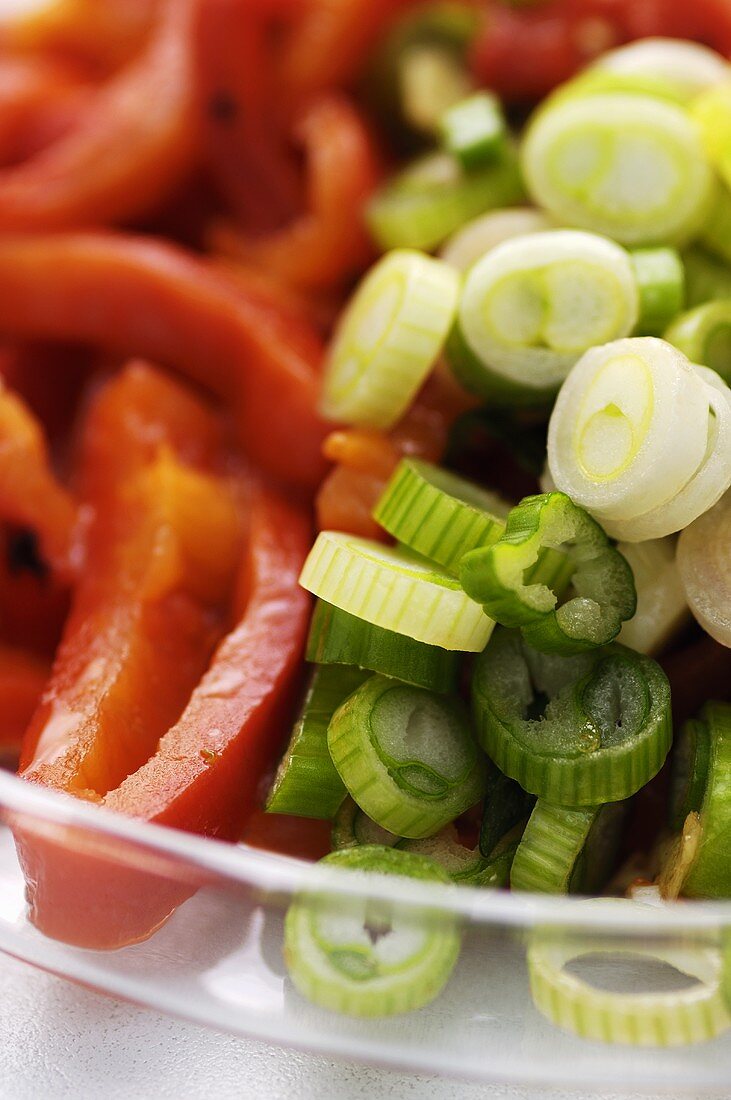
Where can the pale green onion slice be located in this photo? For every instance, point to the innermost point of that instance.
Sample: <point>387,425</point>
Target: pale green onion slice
<point>480,236</point>
<point>388,339</point>
<point>433,197</point>
<point>565,851</point>
<point>629,428</point>
<point>704,563</point>
<point>716,233</point>
<point>707,278</point>
<point>704,335</point>
<point>662,608</point>
<point>709,875</point>
<point>370,958</point>
<point>648,1019</point>
<point>630,166</point>
<point>712,112</point>
<point>432,79</point>
<point>467,866</point>
<point>395,589</point>
<point>689,66</point>
<point>353,829</point>
<point>307,783</point>
<point>474,130</point>
<point>661,283</point>
<point>407,756</point>
<point>533,305</point>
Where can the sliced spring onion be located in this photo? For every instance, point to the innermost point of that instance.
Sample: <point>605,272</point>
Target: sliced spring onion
<point>533,305</point>
<point>688,66</point>
<point>407,756</point>
<point>467,866</point>
<point>662,608</point>
<point>342,639</point>
<point>709,875</point>
<point>428,201</point>
<point>500,577</point>
<point>629,430</point>
<point>704,563</point>
<point>704,335</point>
<point>630,166</point>
<point>575,731</point>
<point>307,783</point>
<point>368,958</point>
<point>650,1019</point>
<point>565,851</point>
<point>394,589</point>
<point>474,130</point>
<point>352,829</point>
<point>712,112</point>
<point>388,339</point>
<point>691,763</point>
<point>706,278</point>
<point>661,283</point>
<point>507,808</point>
<point>716,235</point>
<point>481,235</point>
<point>432,80</point>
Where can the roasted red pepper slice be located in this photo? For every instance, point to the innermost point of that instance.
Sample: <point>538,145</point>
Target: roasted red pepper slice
<point>139,296</point>
<point>22,679</point>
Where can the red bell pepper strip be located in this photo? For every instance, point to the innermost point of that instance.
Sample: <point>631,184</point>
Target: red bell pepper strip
<point>22,679</point>
<point>299,837</point>
<point>139,296</point>
<point>134,141</point>
<point>329,242</point>
<point>36,94</point>
<point>206,770</point>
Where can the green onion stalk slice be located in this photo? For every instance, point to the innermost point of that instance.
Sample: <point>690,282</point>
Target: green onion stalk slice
<point>661,282</point>
<point>481,235</point>
<point>707,277</point>
<point>337,638</point>
<point>432,198</point>
<point>353,829</point>
<point>716,232</point>
<point>691,765</point>
<point>407,756</point>
<point>566,851</point>
<point>708,484</point>
<point>474,130</point>
<point>506,810</point>
<point>712,112</point>
<point>497,577</point>
<point>632,167</point>
<point>645,1019</point>
<point>388,339</point>
<point>629,430</point>
<point>576,731</point>
<point>533,305</point>
<point>704,335</point>
<point>687,66</point>
<point>395,589</point>
<point>370,958</point>
<point>662,608</point>
<point>467,866</point>
<point>704,564</point>
<point>307,783</point>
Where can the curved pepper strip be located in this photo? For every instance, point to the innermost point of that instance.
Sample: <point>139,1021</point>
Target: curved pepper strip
<point>139,296</point>
<point>30,495</point>
<point>22,679</point>
<point>329,242</point>
<point>205,773</point>
<point>496,577</point>
<point>37,97</point>
<point>134,141</point>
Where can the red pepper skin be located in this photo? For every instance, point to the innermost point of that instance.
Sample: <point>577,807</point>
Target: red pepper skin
<point>140,296</point>
<point>204,776</point>
<point>22,679</point>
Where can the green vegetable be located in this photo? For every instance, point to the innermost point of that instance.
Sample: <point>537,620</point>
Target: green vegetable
<point>575,731</point>
<point>466,866</point>
<point>307,783</point>
<point>407,756</point>
<point>662,607</point>
<point>710,872</point>
<point>566,851</point>
<point>495,576</point>
<point>474,130</point>
<point>507,808</point>
<point>353,829</point>
<point>661,283</point>
<point>370,958</point>
<point>706,277</point>
<point>704,335</point>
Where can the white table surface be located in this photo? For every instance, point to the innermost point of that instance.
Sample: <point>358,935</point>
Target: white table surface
<point>60,1042</point>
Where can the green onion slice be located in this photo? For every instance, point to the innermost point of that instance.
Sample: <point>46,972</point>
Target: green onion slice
<point>467,866</point>
<point>533,305</point>
<point>575,731</point>
<point>712,112</point>
<point>630,166</point>
<point>709,875</point>
<point>687,66</point>
<point>652,1019</point>
<point>506,809</point>
<point>481,235</point>
<point>691,767</point>
<point>307,783</point>
<point>353,829</point>
<point>433,197</point>
<point>394,589</point>
<point>706,277</point>
<point>565,851</point>
<point>388,338</point>
<point>474,130</point>
<point>605,594</point>
<point>337,638</point>
<point>705,569</point>
<point>662,608</point>
<point>661,282</point>
<point>407,756</point>
<point>368,958</point>
<point>630,430</point>
<point>704,335</point>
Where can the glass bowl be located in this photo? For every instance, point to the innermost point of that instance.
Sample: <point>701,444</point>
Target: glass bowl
<point>218,959</point>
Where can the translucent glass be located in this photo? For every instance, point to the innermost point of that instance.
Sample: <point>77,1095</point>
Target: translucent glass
<point>218,959</point>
